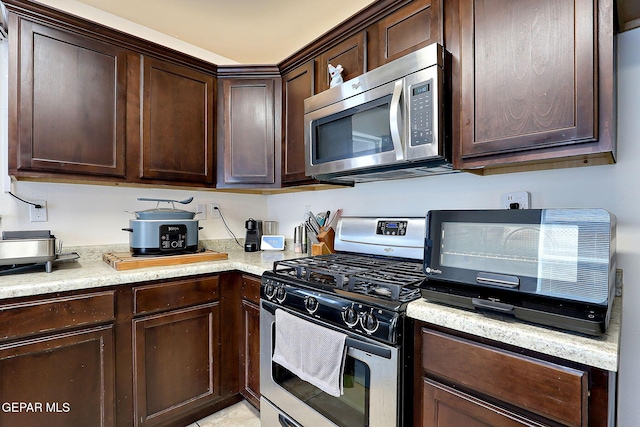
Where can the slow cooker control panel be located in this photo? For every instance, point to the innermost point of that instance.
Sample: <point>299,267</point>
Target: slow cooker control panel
<point>173,237</point>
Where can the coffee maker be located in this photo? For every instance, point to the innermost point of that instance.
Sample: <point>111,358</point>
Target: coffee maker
<point>254,235</point>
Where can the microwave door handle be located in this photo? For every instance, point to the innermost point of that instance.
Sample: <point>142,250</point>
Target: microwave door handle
<point>395,118</point>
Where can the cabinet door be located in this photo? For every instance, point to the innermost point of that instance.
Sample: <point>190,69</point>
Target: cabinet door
<point>446,407</point>
<point>250,357</point>
<point>416,25</point>
<point>177,123</point>
<point>176,365</point>
<point>250,339</point>
<point>249,139</point>
<point>550,390</point>
<point>59,380</point>
<point>297,85</point>
<point>351,54</point>
<point>529,80</point>
<point>68,115</point>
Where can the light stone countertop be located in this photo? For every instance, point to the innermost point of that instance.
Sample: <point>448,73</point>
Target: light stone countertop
<point>600,352</point>
<point>91,272</point>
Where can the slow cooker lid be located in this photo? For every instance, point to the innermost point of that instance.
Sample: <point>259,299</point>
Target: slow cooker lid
<point>165,213</point>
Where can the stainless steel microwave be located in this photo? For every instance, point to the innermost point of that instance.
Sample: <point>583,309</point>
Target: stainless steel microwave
<point>550,266</point>
<point>385,124</point>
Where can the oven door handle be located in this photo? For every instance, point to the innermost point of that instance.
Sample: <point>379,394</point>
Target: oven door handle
<point>369,348</point>
<point>287,422</point>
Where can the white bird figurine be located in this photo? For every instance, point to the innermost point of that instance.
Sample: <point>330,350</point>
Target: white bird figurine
<point>336,75</point>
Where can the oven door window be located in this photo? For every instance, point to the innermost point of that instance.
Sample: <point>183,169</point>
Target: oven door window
<point>349,410</point>
<point>357,132</point>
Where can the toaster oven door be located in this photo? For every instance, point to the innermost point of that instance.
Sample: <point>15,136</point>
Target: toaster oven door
<point>561,253</point>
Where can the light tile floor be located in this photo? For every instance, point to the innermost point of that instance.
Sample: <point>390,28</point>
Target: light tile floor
<point>242,414</point>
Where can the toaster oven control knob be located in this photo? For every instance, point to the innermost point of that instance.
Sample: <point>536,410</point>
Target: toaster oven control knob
<point>350,317</point>
<point>281,294</point>
<point>369,322</point>
<point>311,304</point>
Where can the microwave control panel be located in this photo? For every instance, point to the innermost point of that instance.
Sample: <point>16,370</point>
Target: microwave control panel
<point>392,228</point>
<point>421,113</point>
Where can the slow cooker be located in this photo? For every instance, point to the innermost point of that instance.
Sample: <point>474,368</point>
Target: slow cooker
<point>163,231</point>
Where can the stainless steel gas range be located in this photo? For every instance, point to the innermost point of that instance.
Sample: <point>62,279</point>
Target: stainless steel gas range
<point>339,319</point>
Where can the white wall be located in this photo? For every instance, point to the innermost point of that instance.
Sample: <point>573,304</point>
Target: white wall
<point>82,215</point>
<point>613,187</point>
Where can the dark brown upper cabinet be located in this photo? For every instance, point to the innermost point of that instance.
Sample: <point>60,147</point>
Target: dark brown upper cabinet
<point>297,85</point>
<point>350,53</point>
<point>86,104</point>
<point>534,82</point>
<point>248,138</point>
<point>416,25</point>
<point>67,103</point>
<point>176,122</point>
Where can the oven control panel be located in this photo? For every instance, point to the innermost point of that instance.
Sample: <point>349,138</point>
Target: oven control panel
<point>344,313</point>
<point>392,228</point>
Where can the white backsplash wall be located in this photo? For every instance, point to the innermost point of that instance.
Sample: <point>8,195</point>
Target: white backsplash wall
<point>613,187</point>
<point>82,215</point>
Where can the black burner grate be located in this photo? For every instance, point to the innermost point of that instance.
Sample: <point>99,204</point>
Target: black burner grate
<point>377,277</point>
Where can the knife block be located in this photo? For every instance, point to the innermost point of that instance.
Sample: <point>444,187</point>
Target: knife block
<point>326,238</point>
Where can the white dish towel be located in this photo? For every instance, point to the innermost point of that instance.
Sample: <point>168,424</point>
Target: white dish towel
<point>314,353</point>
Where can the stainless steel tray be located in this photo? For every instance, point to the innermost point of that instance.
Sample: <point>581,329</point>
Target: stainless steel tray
<point>27,251</point>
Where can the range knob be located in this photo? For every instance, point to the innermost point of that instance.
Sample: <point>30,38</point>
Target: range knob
<point>311,304</point>
<point>281,293</point>
<point>350,316</point>
<point>269,290</point>
<point>369,322</point>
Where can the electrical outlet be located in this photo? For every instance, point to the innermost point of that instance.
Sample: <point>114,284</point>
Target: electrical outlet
<point>215,210</point>
<point>201,212</point>
<point>516,200</point>
<point>38,214</point>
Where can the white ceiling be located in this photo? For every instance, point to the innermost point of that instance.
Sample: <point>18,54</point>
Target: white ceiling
<point>245,31</point>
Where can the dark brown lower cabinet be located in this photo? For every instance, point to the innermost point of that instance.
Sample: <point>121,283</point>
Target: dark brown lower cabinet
<point>162,353</point>
<point>176,362</point>
<point>446,406</point>
<point>64,379</point>
<point>462,380</point>
<point>250,337</point>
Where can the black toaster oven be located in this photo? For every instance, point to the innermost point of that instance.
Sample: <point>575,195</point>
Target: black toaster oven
<point>550,266</point>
